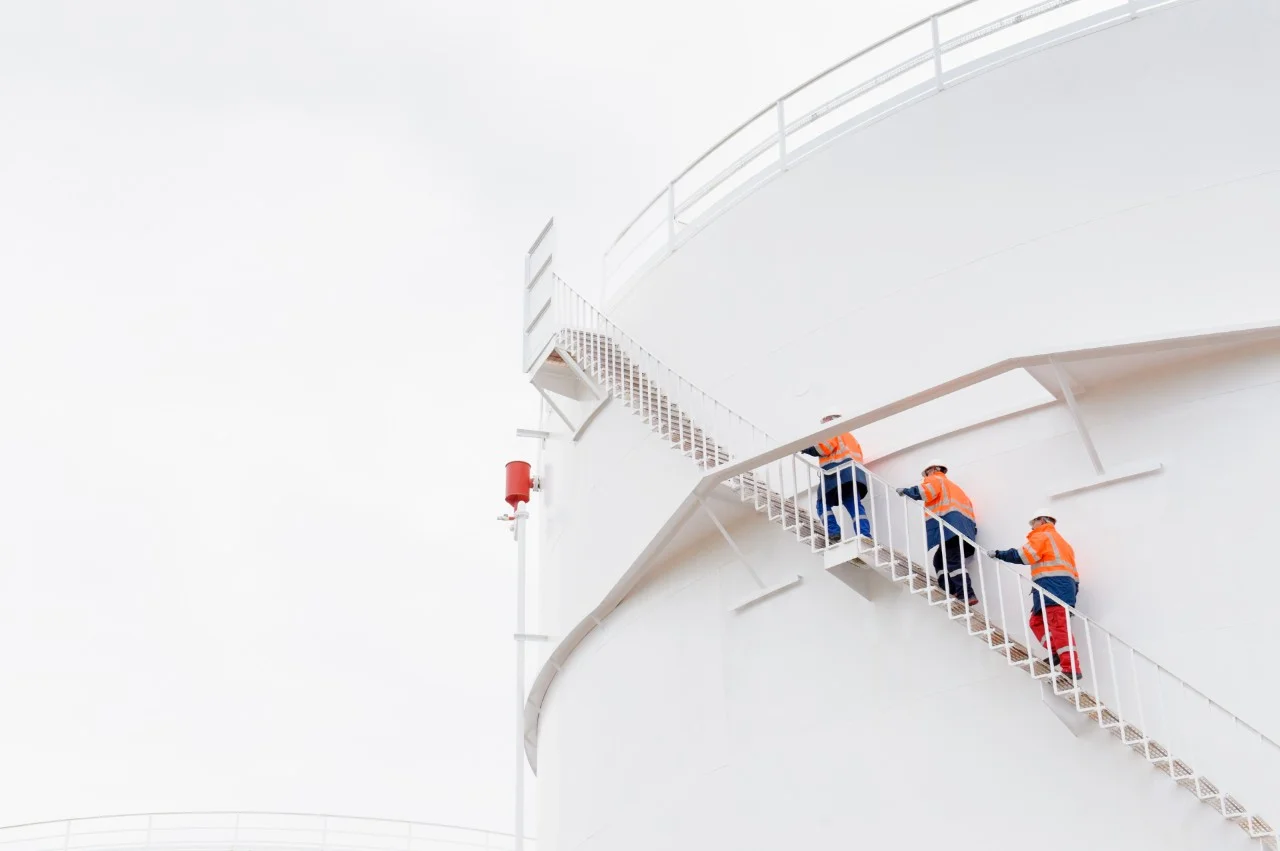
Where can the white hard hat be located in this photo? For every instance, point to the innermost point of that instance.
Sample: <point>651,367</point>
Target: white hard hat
<point>936,463</point>
<point>1044,512</point>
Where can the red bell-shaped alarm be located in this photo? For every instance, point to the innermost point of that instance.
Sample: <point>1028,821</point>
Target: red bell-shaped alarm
<point>519,483</point>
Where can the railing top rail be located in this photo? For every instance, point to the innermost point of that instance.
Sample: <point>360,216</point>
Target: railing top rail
<point>789,93</point>
<point>194,813</point>
<point>798,136</point>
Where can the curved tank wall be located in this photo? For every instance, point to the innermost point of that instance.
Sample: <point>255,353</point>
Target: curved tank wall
<point>816,716</point>
<point>1122,184</point>
<point>1118,186</point>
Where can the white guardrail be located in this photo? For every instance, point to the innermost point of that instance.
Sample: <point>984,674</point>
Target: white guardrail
<point>200,831</point>
<point>913,63</point>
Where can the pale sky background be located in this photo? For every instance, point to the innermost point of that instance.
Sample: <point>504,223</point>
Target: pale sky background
<point>259,360</point>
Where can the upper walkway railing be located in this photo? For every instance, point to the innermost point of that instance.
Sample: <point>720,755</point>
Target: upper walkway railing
<point>912,63</point>
<point>227,831</point>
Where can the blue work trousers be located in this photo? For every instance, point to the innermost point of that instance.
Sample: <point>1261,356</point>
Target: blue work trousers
<point>948,564</point>
<point>850,496</point>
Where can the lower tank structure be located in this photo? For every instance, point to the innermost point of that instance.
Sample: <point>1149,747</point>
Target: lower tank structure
<point>722,676</point>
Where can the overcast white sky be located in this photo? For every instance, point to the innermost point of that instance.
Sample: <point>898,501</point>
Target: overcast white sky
<point>259,344</point>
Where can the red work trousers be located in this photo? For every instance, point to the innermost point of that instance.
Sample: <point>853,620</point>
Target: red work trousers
<point>1058,639</point>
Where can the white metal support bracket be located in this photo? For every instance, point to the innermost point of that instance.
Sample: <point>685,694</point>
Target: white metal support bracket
<point>566,362</point>
<point>762,591</point>
<point>1070,399</point>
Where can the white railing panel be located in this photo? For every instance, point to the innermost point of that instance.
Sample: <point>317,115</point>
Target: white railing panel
<point>864,103</point>
<point>752,147</point>
<point>819,94</point>
<point>965,42</point>
<point>868,84</point>
<point>646,239</point>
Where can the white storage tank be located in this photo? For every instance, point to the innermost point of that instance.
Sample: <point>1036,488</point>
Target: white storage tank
<point>1038,243</point>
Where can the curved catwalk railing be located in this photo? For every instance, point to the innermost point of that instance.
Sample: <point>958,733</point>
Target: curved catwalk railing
<point>917,61</point>
<point>1176,728</point>
<point>246,830</point>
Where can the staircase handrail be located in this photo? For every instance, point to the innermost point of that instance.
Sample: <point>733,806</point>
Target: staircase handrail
<point>570,309</point>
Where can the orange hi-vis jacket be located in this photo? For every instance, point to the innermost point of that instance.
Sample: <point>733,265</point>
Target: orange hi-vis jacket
<point>942,496</point>
<point>838,450</point>
<point>1049,554</point>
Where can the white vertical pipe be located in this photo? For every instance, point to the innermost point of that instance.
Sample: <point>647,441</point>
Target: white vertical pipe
<point>521,515</point>
<point>1070,398</point>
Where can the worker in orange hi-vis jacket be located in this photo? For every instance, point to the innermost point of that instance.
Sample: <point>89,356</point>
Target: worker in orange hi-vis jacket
<point>953,533</point>
<point>843,483</point>
<point>1053,570</point>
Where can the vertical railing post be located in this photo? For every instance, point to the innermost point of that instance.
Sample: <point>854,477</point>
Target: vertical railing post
<point>671,217</point>
<point>782,136</point>
<point>66,836</point>
<point>1133,9</point>
<point>937,54</point>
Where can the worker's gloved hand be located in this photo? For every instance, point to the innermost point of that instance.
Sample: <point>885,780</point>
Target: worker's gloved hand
<point>901,491</point>
<point>989,553</point>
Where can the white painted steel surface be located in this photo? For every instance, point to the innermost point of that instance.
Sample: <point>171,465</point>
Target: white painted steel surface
<point>1117,187</point>
<point>1175,726</point>
<point>919,60</point>
<point>252,831</point>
